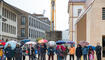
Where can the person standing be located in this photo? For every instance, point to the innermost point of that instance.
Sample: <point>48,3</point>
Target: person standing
<point>24,52</point>
<point>66,52</point>
<point>98,51</point>
<point>72,52</point>
<point>31,52</point>
<point>78,52</point>
<point>43,49</point>
<point>51,53</point>
<point>18,52</point>
<point>9,52</point>
<point>60,52</point>
<point>38,49</point>
<point>85,52</point>
<point>91,54</point>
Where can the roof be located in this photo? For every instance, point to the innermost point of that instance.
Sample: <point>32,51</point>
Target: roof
<point>77,0</point>
<point>12,7</point>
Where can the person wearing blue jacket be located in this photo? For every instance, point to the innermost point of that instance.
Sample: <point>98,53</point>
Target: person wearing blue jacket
<point>51,53</point>
<point>85,52</point>
<point>9,52</point>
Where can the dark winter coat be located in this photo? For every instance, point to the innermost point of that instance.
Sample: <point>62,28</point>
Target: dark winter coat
<point>78,51</point>
<point>98,50</point>
<point>9,52</point>
<point>18,52</point>
<point>43,49</point>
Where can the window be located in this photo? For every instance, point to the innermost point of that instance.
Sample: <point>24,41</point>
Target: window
<point>79,11</point>
<point>23,20</point>
<point>103,13</point>
<point>22,32</point>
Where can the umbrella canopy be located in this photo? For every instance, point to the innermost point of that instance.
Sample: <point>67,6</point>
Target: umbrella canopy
<point>70,42</point>
<point>31,42</point>
<point>43,41</point>
<point>60,42</point>
<point>12,43</point>
<point>83,43</point>
<point>51,43</point>
<point>3,43</point>
<point>93,47</point>
<point>25,40</point>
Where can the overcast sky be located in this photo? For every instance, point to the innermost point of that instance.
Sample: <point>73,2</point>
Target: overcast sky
<point>38,6</point>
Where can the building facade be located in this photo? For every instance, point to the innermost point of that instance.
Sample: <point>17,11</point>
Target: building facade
<point>75,9</point>
<point>17,24</point>
<point>37,27</point>
<point>90,25</point>
<point>8,21</point>
<point>65,35</point>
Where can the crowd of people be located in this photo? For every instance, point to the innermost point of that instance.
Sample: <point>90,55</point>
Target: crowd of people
<point>20,52</point>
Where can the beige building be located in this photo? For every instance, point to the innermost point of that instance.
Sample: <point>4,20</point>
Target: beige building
<point>90,24</point>
<point>75,8</point>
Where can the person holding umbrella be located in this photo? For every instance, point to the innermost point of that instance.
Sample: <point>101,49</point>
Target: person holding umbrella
<point>91,54</point>
<point>31,52</point>
<point>85,52</point>
<point>78,52</point>
<point>9,52</point>
<point>72,52</point>
<point>43,49</point>
<point>51,53</point>
<point>66,52</point>
<point>98,51</point>
<point>18,52</point>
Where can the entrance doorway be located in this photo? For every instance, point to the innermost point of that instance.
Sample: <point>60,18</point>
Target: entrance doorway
<point>103,46</point>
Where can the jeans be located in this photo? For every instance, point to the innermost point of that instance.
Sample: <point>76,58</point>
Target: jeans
<point>85,57</point>
<point>98,57</point>
<point>78,58</point>
<point>60,58</point>
<point>0,57</point>
<point>71,57</point>
<point>43,56</point>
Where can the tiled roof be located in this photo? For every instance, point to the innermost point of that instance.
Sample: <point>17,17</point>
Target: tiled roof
<point>77,0</point>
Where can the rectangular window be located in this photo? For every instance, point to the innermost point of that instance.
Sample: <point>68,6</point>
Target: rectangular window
<point>103,13</point>
<point>23,20</point>
<point>79,11</point>
<point>22,32</point>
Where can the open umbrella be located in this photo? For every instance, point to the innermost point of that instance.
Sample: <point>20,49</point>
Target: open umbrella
<point>93,47</point>
<point>83,43</point>
<point>52,43</point>
<point>70,42</point>
<point>60,42</point>
<point>43,41</point>
<point>24,41</point>
<point>12,43</point>
<point>3,43</point>
<point>31,42</point>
